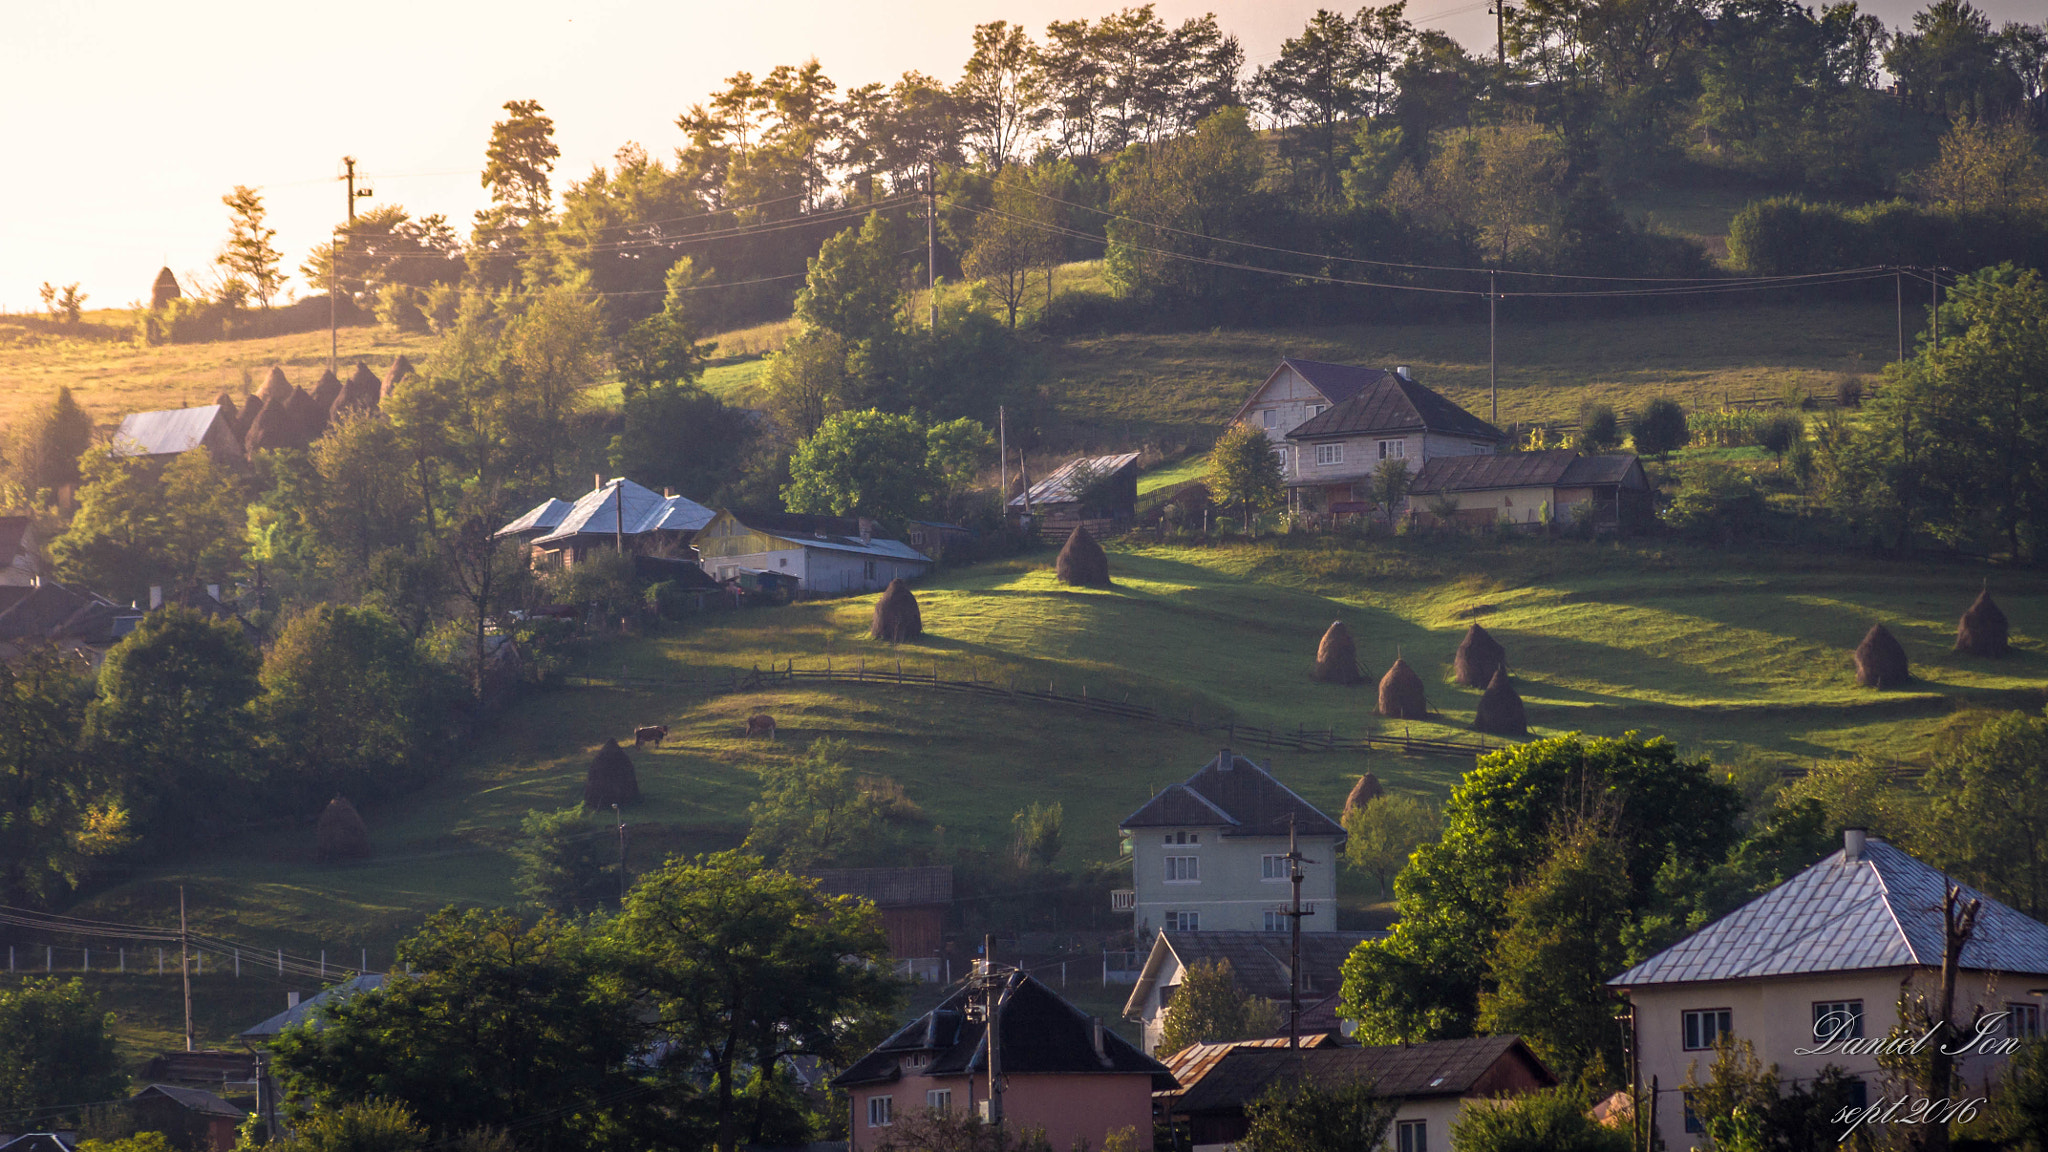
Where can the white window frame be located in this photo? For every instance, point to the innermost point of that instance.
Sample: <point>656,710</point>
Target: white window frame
<point>881,1111</point>
<point>1411,1136</point>
<point>1315,410</point>
<point>939,1099</point>
<point>1183,870</point>
<point>1272,867</point>
<point>1270,418</point>
<point>1393,449</point>
<point>1826,1009</point>
<point>1705,1025</point>
<point>1329,455</point>
<point>1276,921</point>
<point>2024,1023</point>
<point>1184,922</point>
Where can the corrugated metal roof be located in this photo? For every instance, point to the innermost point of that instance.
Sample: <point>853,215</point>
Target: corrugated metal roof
<point>623,506</point>
<point>1061,486</point>
<point>1432,1068</point>
<point>195,1099</point>
<point>1391,404</point>
<point>304,1009</point>
<point>164,433</point>
<point>1881,910</point>
<point>1247,798</point>
<point>1507,470</point>
<point>1195,1061</point>
<point>544,515</point>
<point>1607,468</point>
<point>837,533</point>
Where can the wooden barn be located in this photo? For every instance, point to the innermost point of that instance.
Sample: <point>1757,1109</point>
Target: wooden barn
<point>1096,492</point>
<point>913,903</point>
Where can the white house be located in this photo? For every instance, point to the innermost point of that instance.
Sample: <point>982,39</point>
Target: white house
<point>1210,854</point>
<point>1813,970</point>
<point>821,553</point>
<point>1259,966</point>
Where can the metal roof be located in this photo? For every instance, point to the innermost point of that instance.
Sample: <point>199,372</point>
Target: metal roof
<point>1258,960</point>
<point>1235,792</point>
<point>836,533</point>
<point>1394,404</point>
<point>303,1011</point>
<point>164,433</point>
<point>1431,1068</point>
<point>1554,467</point>
<point>195,1099</point>
<point>1880,910</point>
<point>1060,487</point>
<point>622,506</point>
<point>544,515</point>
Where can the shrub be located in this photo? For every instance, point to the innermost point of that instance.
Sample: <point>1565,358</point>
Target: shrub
<point>1716,501</point>
<point>1660,428</point>
<point>1780,432</point>
<point>1599,430</point>
<point>1550,1121</point>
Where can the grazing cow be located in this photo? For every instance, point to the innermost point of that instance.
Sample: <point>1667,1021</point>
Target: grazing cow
<point>652,734</point>
<point>761,724</point>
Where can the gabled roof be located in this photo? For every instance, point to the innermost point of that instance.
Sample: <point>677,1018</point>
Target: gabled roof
<point>835,533</point>
<point>542,516</point>
<point>1258,960</point>
<point>1432,1068</point>
<point>1232,791</point>
<point>165,433</point>
<point>622,506</point>
<point>1195,1061</point>
<point>41,1142</point>
<point>1554,467</point>
<point>1041,1033</point>
<point>1606,468</point>
<point>192,1099</point>
<point>1392,404</point>
<point>1334,382</point>
<point>1880,910</point>
<point>52,611</point>
<point>1064,485</point>
<point>305,1009</point>
<point>890,887</point>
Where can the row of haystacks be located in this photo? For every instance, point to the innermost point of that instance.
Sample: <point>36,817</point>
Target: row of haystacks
<point>1481,662</point>
<point>280,414</point>
<point>1982,631</point>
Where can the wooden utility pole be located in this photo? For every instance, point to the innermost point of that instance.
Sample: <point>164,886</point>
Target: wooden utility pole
<point>1492,345</point>
<point>931,242</point>
<point>1499,9</point>
<point>996,989</point>
<point>185,967</point>
<point>1294,914</point>
<point>334,259</point>
<point>1003,453</point>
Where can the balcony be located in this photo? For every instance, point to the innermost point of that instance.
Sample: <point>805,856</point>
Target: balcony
<point>1123,900</point>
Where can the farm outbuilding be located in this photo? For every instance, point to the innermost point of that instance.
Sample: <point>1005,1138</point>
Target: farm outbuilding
<point>1529,489</point>
<point>1098,492</point>
<point>614,514</point>
<point>822,554</point>
<point>174,431</point>
<point>913,903</point>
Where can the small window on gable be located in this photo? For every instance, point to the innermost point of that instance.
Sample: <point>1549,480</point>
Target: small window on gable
<point>1271,416</point>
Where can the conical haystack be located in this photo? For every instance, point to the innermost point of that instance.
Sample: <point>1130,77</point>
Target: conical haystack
<point>896,616</point>
<point>1500,709</point>
<point>341,833</point>
<point>306,419</point>
<point>228,412</point>
<point>271,426</point>
<point>1479,657</point>
<point>1881,660</point>
<point>246,418</point>
<point>400,369</point>
<point>1337,656</point>
<point>328,387</point>
<point>164,290</point>
<point>611,779</point>
<point>1364,792</point>
<point>1401,696</point>
<point>1982,630</point>
<point>1082,562</point>
<point>275,386</point>
<point>360,393</point>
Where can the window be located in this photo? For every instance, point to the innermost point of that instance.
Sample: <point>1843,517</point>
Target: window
<point>1412,1136</point>
<point>1838,1020</point>
<point>1692,1119</point>
<point>1315,410</point>
<point>1273,868</point>
<point>1183,869</point>
<point>1276,921</point>
<point>1859,1094</point>
<point>939,1099</point>
<point>1704,1027</point>
<point>1271,416</point>
<point>1184,921</point>
<point>1183,837</point>
<point>1328,454</point>
<point>870,573</point>
<point>2024,1023</point>
<point>881,1111</point>
<point>782,562</point>
<point>1393,449</point>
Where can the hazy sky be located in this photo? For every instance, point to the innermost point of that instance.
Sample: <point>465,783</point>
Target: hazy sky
<point>126,122</point>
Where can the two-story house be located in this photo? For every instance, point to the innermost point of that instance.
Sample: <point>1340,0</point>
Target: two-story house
<point>1211,853</point>
<point>1811,972</point>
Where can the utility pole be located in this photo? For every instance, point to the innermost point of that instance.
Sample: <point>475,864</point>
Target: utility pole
<point>1899,298</point>
<point>1934,279</point>
<point>619,515</point>
<point>1499,10</point>
<point>995,988</point>
<point>1492,358</point>
<point>1003,451</point>
<point>621,817</point>
<point>1294,914</point>
<point>185,967</point>
<point>334,259</point>
<point>931,241</point>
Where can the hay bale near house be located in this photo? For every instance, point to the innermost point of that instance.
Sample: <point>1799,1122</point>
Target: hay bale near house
<point>1881,660</point>
<point>1401,694</point>
<point>1364,792</point>
<point>1337,656</point>
<point>1082,562</point>
<point>1500,709</point>
<point>359,394</point>
<point>272,425</point>
<point>275,386</point>
<point>400,369</point>
<point>341,833</point>
<point>1479,657</point>
<point>896,616</point>
<point>611,779</point>
<point>1983,630</point>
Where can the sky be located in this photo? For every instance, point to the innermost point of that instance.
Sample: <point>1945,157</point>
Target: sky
<point>126,122</point>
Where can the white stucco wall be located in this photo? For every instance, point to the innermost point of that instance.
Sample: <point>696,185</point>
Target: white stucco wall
<point>822,570</point>
<point>1231,892</point>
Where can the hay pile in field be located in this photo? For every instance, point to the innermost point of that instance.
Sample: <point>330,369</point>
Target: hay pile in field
<point>1337,656</point>
<point>246,418</point>
<point>360,394</point>
<point>896,616</point>
<point>400,369</point>
<point>611,779</point>
<point>1401,695</point>
<point>1881,660</point>
<point>306,419</point>
<point>1364,792</point>
<point>164,290</point>
<point>341,833</point>
<point>228,411</point>
<point>1479,657</point>
<point>1082,561</point>
<point>275,386</point>
<point>1982,630</point>
<point>1500,709</point>
<point>326,389</point>
<point>272,426</point>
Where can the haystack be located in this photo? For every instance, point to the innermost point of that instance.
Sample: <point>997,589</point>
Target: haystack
<point>360,393</point>
<point>611,779</point>
<point>306,419</point>
<point>896,616</point>
<point>400,369</point>
<point>1081,562</point>
<point>271,426</point>
<point>246,418</point>
<point>164,290</point>
<point>275,386</point>
<point>1500,709</point>
<point>341,833</point>
<point>1479,657</point>
<point>1364,792</point>
<point>1401,696</point>
<point>1982,630</point>
<point>1337,656</point>
<point>1881,660</point>
<point>226,404</point>
<point>327,389</point>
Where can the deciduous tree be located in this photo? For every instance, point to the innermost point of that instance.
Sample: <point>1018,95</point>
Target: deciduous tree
<point>56,1050</point>
<point>1297,1115</point>
<point>348,707</point>
<point>249,254</point>
<point>64,811</point>
<point>1208,1008</point>
<point>1245,471</point>
<point>1385,833</point>
<point>870,463</point>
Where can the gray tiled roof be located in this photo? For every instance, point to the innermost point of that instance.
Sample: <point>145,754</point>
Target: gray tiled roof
<point>195,1099</point>
<point>1337,382</point>
<point>1882,910</point>
<point>1233,791</point>
<point>1391,404</point>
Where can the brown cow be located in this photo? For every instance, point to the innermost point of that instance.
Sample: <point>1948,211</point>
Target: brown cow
<point>652,734</point>
<point>761,724</point>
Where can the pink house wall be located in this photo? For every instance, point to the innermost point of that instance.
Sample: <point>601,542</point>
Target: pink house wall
<point>1071,1108</point>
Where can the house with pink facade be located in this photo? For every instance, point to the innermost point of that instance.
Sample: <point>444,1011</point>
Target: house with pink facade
<point>1059,1069</point>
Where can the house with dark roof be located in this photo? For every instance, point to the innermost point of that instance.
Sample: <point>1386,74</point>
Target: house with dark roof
<point>822,554</point>
<point>299,1011</point>
<point>192,1119</point>
<point>913,903</point>
<point>1811,973</point>
<point>1260,965</point>
<point>1431,1082</point>
<point>1209,854</point>
<point>1062,1070</point>
<point>46,612</point>
<point>1531,488</point>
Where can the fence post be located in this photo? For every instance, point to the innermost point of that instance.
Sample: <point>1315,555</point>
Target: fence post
<point>88,959</point>
<point>49,959</point>
<point>238,963</point>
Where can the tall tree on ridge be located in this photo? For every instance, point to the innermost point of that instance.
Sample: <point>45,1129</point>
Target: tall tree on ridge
<point>249,254</point>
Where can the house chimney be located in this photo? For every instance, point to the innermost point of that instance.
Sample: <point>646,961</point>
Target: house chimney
<point>867,530</point>
<point>596,481</point>
<point>156,597</point>
<point>667,493</point>
<point>291,1000</point>
<point>1095,1034</point>
<point>1853,840</point>
<point>1225,761</point>
<point>1402,372</point>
